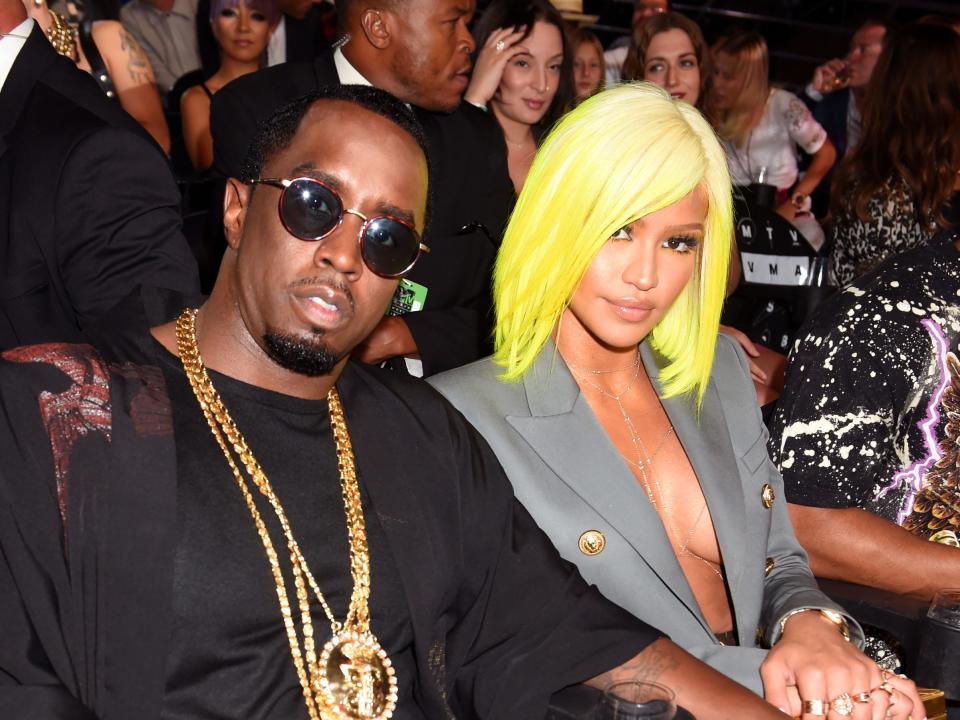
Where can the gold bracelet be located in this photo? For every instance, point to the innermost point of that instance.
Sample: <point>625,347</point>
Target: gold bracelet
<point>832,615</point>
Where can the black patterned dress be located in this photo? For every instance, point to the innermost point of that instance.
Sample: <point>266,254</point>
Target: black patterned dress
<point>892,227</point>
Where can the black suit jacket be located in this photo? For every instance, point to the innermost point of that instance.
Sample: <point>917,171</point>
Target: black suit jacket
<point>469,183</point>
<point>88,207</point>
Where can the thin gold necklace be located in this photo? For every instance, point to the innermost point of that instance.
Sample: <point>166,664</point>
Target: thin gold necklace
<point>644,462</point>
<point>353,677</point>
<point>644,459</point>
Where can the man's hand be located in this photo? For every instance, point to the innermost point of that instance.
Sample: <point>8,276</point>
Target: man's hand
<point>812,662</point>
<point>825,77</point>
<point>390,338</point>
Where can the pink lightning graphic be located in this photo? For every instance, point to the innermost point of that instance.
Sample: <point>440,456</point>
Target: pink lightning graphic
<point>913,475</point>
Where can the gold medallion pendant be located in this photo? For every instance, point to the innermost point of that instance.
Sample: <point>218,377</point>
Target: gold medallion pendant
<point>356,678</point>
<point>353,679</point>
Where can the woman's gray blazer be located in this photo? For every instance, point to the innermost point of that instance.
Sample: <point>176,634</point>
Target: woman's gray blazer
<point>567,472</point>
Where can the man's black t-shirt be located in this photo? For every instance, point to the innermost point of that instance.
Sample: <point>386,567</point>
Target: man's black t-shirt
<point>89,535</point>
<point>229,656</point>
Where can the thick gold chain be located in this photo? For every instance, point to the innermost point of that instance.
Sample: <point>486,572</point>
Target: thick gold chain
<point>229,438</point>
<point>61,35</point>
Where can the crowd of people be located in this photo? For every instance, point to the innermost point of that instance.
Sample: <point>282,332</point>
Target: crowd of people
<point>423,407</point>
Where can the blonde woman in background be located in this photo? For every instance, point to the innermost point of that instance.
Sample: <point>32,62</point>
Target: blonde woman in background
<point>761,126</point>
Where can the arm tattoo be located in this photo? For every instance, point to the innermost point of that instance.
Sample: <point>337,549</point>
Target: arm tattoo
<point>647,667</point>
<point>137,63</point>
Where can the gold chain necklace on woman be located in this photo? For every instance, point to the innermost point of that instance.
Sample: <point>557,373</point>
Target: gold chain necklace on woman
<point>353,677</point>
<point>61,35</point>
<point>644,460</point>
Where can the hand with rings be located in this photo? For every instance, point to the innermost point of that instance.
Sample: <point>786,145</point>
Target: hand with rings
<point>813,673</point>
<point>502,45</point>
<point>896,697</point>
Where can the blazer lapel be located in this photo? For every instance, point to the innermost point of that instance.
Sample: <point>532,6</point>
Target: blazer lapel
<point>32,61</point>
<point>592,467</point>
<point>707,445</point>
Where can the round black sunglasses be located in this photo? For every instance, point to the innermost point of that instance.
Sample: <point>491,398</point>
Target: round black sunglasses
<point>310,210</point>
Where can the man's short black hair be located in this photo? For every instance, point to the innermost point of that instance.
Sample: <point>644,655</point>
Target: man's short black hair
<point>275,134</point>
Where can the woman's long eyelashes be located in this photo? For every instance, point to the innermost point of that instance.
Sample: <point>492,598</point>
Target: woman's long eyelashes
<point>681,243</point>
<point>678,243</point>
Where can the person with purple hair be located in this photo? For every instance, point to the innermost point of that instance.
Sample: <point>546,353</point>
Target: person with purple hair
<point>242,29</point>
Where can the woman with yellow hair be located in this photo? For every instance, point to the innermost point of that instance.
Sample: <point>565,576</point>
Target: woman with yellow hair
<point>630,430</point>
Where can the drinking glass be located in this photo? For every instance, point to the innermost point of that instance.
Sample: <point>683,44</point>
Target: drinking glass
<point>842,77</point>
<point>945,607</point>
<point>637,701</point>
<point>940,644</point>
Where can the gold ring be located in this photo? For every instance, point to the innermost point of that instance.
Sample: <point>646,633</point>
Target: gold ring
<point>842,705</point>
<point>815,707</point>
<point>862,697</point>
<point>885,686</point>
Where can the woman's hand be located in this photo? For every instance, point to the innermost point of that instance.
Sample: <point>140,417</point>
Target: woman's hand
<point>812,672</point>
<point>787,210</point>
<point>503,44</point>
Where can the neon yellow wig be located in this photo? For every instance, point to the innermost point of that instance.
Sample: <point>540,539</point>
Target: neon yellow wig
<point>622,154</point>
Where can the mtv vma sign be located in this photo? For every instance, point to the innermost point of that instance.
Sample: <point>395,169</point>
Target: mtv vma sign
<point>766,269</point>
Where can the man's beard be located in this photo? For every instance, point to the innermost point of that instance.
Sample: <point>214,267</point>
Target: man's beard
<point>303,355</point>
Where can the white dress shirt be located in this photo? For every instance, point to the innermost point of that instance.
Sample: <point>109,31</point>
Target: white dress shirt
<point>10,46</point>
<point>613,60</point>
<point>347,73</point>
<point>277,47</point>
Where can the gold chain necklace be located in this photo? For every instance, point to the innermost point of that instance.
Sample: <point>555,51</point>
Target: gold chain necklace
<point>61,36</point>
<point>644,458</point>
<point>644,461</point>
<point>353,677</point>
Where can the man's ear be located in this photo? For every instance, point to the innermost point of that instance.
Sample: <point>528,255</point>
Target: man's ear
<point>376,26</point>
<point>236,200</point>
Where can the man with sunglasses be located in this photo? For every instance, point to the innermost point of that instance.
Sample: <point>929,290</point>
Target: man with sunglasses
<point>189,498</point>
<point>419,51</point>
